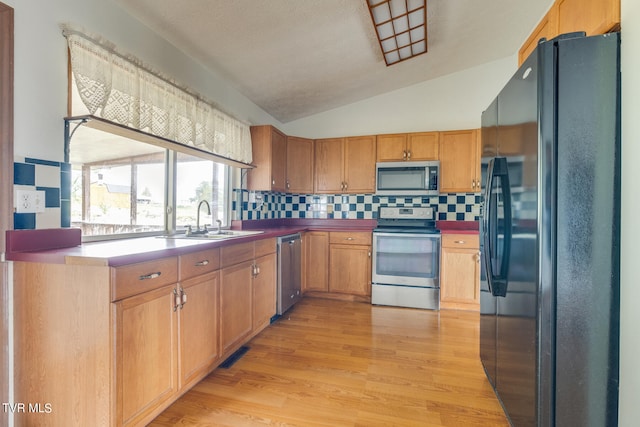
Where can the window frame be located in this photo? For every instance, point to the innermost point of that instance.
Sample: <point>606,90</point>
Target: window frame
<point>171,151</point>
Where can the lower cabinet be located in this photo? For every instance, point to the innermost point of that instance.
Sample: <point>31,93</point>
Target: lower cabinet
<point>264,291</point>
<point>146,353</point>
<point>460,272</point>
<point>316,260</point>
<point>350,264</point>
<point>235,305</point>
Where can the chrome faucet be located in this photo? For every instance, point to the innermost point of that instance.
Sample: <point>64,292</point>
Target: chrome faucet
<point>204,230</point>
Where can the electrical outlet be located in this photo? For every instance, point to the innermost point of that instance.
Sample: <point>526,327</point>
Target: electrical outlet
<point>29,201</point>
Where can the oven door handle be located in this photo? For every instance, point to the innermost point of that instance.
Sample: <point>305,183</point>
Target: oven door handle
<point>427,235</point>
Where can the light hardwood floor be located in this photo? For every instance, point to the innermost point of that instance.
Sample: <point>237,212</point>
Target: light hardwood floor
<point>336,363</point>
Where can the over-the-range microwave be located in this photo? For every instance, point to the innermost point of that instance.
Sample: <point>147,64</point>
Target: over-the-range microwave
<point>407,178</point>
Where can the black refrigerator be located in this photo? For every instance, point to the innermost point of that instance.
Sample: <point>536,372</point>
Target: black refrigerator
<point>550,233</point>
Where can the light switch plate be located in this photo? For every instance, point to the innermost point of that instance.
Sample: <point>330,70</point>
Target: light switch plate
<point>29,201</point>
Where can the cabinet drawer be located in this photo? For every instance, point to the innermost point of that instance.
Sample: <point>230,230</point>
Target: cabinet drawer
<point>142,277</point>
<point>469,241</point>
<point>350,238</point>
<point>265,247</point>
<point>197,263</point>
<point>235,254</point>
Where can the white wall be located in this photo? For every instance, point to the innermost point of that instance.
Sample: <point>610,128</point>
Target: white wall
<point>454,101</point>
<point>630,287</point>
<point>41,68</point>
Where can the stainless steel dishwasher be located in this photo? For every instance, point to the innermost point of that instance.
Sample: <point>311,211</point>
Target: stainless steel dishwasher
<point>289,271</point>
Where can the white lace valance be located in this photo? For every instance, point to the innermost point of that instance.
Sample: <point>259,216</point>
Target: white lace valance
<point>119,90</point>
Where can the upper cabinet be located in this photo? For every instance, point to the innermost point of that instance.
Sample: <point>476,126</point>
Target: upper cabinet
<point>345,165</point>
<point>269,147</point>
<point>299,165</point>
<point>407,146</point>
<point>460,161</point>
<point>566,16</point>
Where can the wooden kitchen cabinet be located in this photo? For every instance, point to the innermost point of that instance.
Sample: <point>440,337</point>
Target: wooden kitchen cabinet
<point>269,147</point>
<point>345,165</point>
<point>567,16</point>
<point>235,305</point>
<point>146,354</point>
<point>419,146</point>
<point>460,272</point>
<point>316,261</point>
<point>350,263</point>
<point>264,285</point>
<point>299,165</point>
<point>460,161</point>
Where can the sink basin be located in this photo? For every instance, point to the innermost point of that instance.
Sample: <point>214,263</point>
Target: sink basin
<point>224,234</point>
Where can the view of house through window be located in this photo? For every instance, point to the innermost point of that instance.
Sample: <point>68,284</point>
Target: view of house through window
<point>121,186</point>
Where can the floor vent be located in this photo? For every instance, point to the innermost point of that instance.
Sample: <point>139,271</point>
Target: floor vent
<point>234,357</point>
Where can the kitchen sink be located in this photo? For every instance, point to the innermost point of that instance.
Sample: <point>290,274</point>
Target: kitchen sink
<point>222,235</point>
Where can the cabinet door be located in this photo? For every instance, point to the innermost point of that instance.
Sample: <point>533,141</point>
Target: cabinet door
<point>547,28</point>
<point>264,291</point>
<point>146,354</point>
<point>299,165</point>
<point>423,146</point>
<point>350,269</point>
<point>459,279</point>
<point>316,261</point>
<point>360,164</point>
<point>328,165</point>
<point>278,160</point>
<point>235,304</point>
<point>459,162</point>
<point>198,321</point>
<point>269,149</point>
<point>391,148</point>
<point>590,16</point>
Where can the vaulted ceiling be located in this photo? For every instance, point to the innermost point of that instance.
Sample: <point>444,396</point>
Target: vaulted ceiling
<point>296,58</point>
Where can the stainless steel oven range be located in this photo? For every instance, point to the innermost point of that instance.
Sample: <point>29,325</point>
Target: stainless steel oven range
<point>406,258</point>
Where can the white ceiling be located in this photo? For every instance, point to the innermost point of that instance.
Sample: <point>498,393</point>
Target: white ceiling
<point>295,58</point>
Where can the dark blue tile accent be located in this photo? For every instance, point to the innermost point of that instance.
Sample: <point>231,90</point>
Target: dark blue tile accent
<point>459,217</point>
<point>337,207</point>
<point>303,214</point>
<point>360,199</point>
<point>478,199</point>
<point>451,208</point>
<point>352,207</point>
<point>425,200</point>
<point>345,215</point>
<point>65,213</point>
<point>24,221</point>
<point>442,199</point>
<point>460,199</point>
<point>392,199</point>
<point>288,199</point>
<point>295,207</point>
<point>288,214</point>
<point>408,199</point>
<point>65,167</point>
<point>41,162</point>
<point>376,199</point>
<point>303,200</point>
<point>329,199</point>
<point>467,208</point>
<point>360,215</point>
<point>65,186</point>
<point>375,214</point>
<point>442,216</point>
<point>24,174</point>
<point>51,196</point>
<point>368,207</point>
<point>234,205</point>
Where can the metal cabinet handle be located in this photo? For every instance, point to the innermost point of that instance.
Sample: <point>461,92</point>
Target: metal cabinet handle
<point>202,263</point>
<point>150,276</point>
<point>404,154</point>
<point>348,238</point>
<point>460,242</point>
<point>273,182</point>
<point>408,155</point>
<point>176,299</point>
<point>288,184</point>
<point>183,298</point>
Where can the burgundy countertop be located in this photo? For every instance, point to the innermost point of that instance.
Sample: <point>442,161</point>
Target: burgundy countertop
<point>64,246</point>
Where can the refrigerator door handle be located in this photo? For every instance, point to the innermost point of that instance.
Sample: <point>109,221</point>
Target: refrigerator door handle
<point>497,283</point>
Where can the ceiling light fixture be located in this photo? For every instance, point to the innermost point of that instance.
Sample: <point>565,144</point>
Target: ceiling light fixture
<point>401,27</point>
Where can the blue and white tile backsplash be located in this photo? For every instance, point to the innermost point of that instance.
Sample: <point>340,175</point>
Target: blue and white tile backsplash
<point>54,178</point>
<point>264,205</point>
